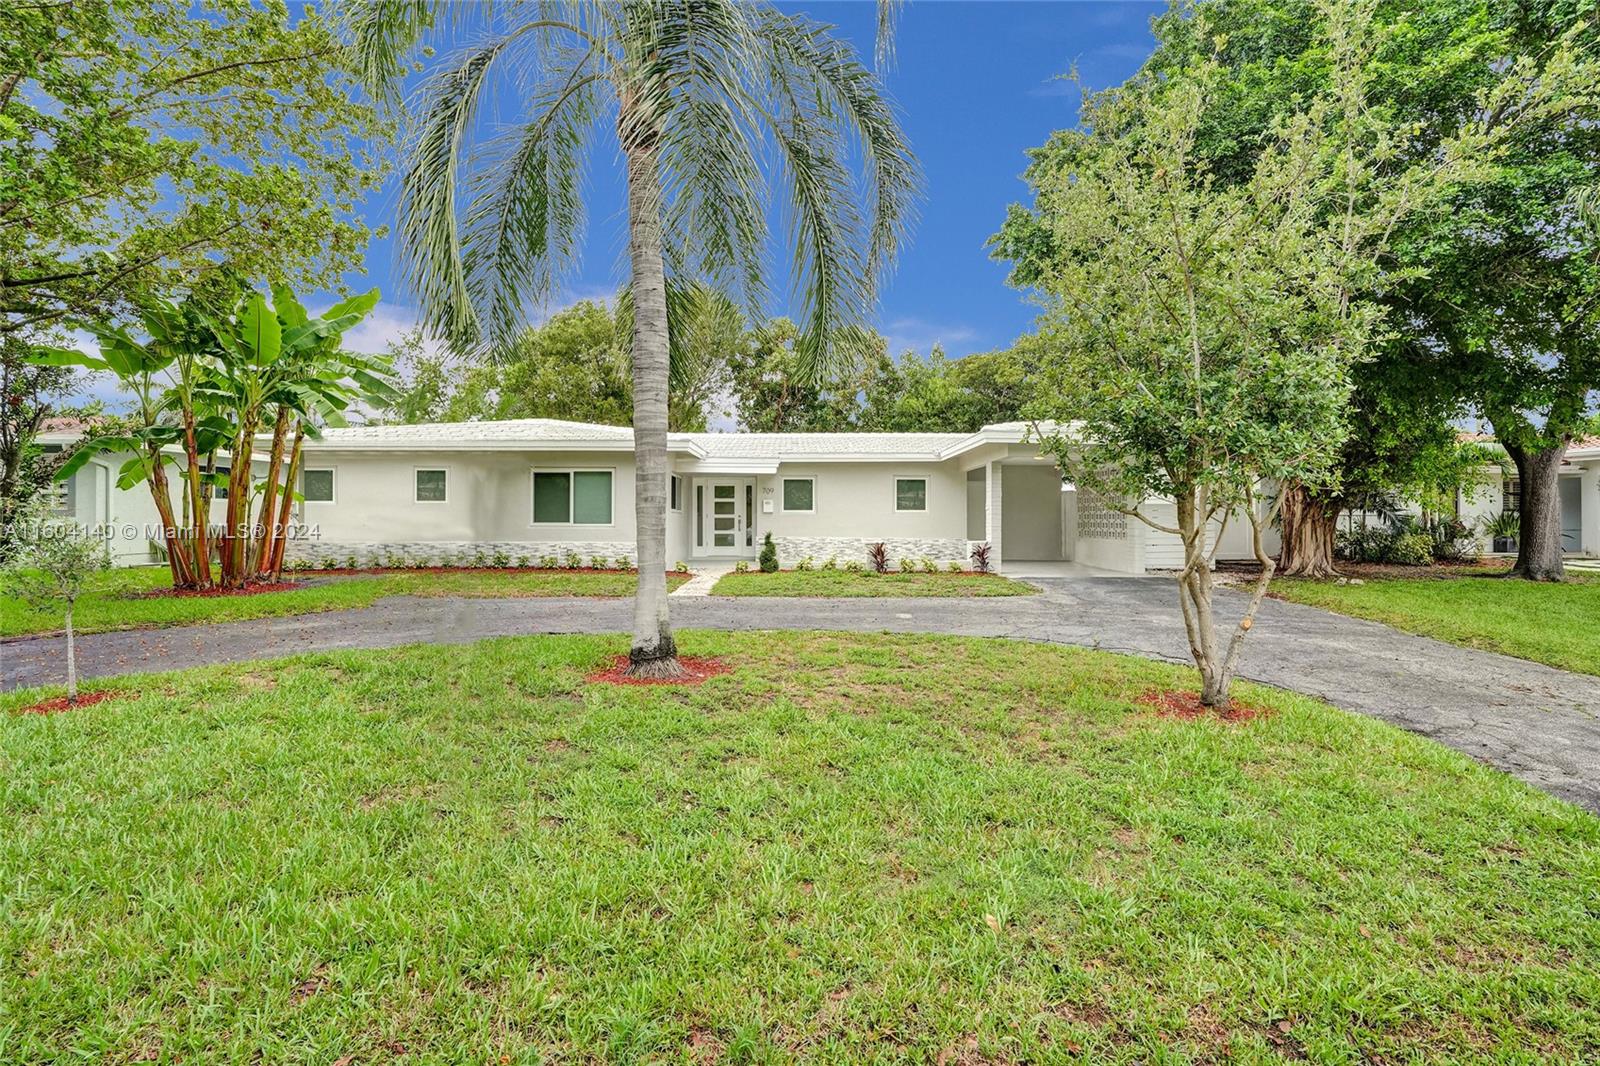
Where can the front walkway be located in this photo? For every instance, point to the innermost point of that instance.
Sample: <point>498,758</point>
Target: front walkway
<point>1540,724</point>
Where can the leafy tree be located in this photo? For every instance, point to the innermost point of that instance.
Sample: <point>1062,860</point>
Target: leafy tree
<point>56,561</point>
<point>1492,302</point>
<point>939,395</point>
<point>697,93</point>
<point>144,141</point>
<point>1202,333</point>
<point>775,391</point>
<point>27,392</point>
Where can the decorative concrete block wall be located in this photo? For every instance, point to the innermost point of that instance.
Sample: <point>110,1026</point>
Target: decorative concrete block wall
<point>942,550</point>
<point>316,554</point>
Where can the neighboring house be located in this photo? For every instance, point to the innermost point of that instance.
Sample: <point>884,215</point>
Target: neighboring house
<point>536,487</point>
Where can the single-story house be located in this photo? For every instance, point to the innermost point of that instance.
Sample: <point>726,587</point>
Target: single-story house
<point>530,488</point>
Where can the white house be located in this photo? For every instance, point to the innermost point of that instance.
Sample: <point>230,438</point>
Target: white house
<point>536,487</point>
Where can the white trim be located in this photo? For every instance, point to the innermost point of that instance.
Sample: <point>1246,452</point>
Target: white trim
<point>533,521</point>
<point>333,492</point>
<point>415,488</point>
<point>783,500</point>
<point>910,477</point>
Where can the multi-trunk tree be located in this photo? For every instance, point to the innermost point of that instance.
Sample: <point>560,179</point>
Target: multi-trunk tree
<point>1202,332</point>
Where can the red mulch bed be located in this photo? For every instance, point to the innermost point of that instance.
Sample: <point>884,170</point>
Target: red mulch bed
<point>250,589</point>
<point>1186,707</point>
<point>345,571</point>
<point>697,672</point>
<point>59,704</point>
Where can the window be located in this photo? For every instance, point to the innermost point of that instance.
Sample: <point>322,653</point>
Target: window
<point>699,516</point>
<point>799,494</point>
<point>579,497</point>
<point>430,487</point>
<point>676,483</point>
<point>910,494</point>
<point>315,485</point>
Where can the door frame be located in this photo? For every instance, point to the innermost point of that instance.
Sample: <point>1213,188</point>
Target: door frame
<point>747,541</point>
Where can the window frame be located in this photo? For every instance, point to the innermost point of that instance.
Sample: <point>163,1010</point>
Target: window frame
<point>675,493</point>
<point>333,485</point>
<point>572,482</point>
<point>783,498</point>
<point>896,493</point>
<point>415,488</point>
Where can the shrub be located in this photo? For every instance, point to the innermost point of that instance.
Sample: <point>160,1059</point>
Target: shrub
<point>624,563</point>
<point>980,557</point>
<point>1412,549</point>
<point>1453,542</point>
<point>1372,545</point>
<point>549,562</point>
<point>572,560</point>
<point>480,558</point>
<point>878,556</point>
<point>906,566</point>
<point>501,558</point>
<point>831,563</point>
<point>954,566</point>
<point>928,565</point>
<point>681,567</point>
<point>352,561</point>
<point>769,556</point>
<point>741,567</point>
<point>524,561</point>
<point>854,567</point>
<point>806,564</point>
<point>599,562</point>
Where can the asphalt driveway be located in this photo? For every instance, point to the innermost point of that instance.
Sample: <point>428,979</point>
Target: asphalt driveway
<point>1537,723</point>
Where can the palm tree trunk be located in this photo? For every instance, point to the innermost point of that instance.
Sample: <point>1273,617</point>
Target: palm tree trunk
<point>654,652</point>
<point>261,560</point>
<point>275,562</point>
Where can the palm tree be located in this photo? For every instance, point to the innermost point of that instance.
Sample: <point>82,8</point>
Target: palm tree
<point>699,93</point>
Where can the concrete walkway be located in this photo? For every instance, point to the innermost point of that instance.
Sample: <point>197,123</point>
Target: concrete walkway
<point>1540,724</point>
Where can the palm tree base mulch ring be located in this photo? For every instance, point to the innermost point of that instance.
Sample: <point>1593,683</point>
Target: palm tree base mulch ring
<point>1186,707</point>
<point>250,588</point>
<point>59,704</point>
<point>696,671</point>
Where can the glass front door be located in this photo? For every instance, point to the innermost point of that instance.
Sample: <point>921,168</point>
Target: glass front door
<point>725,524</point>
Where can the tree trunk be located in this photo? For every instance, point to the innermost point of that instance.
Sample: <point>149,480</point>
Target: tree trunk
<point>1539,539</point>
<point>260,562</point>
<point>72,660</point>
<point>177,557</point>
<point>1308,524</point>
<point>237,534</point>
<point>200,511</point>
<point>275,566</point>
<point>654,652</point>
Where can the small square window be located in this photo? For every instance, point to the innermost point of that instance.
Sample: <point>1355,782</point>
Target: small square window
<point>430,486</point>
<point>316,486</point>
<point>910,494</point>
<point>799,494</point>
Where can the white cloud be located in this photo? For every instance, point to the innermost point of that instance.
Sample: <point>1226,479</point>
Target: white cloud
<point>920,335</point>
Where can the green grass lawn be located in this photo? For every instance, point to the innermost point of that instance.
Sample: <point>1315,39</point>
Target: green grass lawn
<point>842,583</point>
<point>120,598</point>
<point>848,849</point>
<point>1554,624</point>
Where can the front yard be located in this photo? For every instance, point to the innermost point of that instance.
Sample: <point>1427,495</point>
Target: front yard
<point>855,584</point>
<point>849,848</point>
<point>131,598</point>
<point>1554,624</point>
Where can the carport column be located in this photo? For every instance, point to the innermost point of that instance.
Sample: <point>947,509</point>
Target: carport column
<point>1589,509</point>
<point>991,512</point>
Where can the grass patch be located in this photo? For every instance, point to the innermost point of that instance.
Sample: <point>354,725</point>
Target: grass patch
<point>121,598</point>
<point>1558,625</point>
<point>843,583</point>
<point>848,849</point>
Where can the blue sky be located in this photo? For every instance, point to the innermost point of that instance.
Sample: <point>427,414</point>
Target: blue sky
<point>977,84</point>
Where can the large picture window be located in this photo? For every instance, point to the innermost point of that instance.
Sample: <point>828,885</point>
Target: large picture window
<point>316,486</point>
<point>799,494</point>
<point>575,497</point>
<point>910,494</point>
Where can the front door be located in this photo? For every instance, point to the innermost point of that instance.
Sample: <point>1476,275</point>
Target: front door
<point>726,521</point>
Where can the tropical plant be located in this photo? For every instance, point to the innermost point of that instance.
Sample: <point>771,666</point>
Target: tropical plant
<point>696,93</point>
<point>54,563</point>
<point>980,558</point>
<point>878,557</point>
